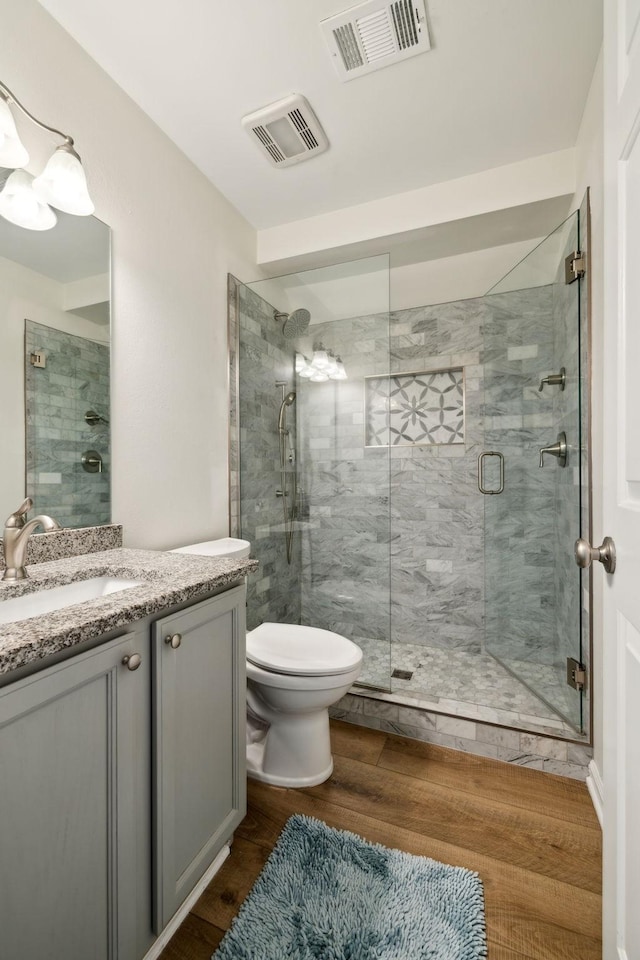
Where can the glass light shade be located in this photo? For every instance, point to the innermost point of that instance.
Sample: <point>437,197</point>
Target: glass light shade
<point>63,184</point>
<point>319,376</point>
<point>320,359</point>
<point>301,362</point>
<point>19,204</point>
<point>340,373</point>
<point>12,151</point>
<point>306,372</point>
<point>332,369</point>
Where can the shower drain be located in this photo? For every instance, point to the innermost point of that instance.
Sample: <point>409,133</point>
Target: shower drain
<point>402,674</point>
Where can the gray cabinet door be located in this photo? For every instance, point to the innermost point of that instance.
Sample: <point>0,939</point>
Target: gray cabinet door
<point>68,808</point>
<point>199,783</point>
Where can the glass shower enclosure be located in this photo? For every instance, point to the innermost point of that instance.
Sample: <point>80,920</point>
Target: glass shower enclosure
<point>535,421</point>
<point>415,480</point>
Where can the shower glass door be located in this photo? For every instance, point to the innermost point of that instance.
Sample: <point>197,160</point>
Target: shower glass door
<point>330,498</point>
<point>532,342</point>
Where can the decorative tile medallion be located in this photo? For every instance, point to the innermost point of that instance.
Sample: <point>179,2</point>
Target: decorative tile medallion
<point>415,408</point>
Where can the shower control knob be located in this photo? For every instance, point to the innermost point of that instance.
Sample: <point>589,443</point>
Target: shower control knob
<point>585,554</point>
<point>173,641</point>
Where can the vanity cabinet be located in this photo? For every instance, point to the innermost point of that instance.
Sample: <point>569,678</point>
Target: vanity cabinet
<point>120,782</point>
<point>199,782</point>
<point>71,740</point>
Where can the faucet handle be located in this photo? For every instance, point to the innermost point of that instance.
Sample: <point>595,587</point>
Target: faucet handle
<point>17,518</point>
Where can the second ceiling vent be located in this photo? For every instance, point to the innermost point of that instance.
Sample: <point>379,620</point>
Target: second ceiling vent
<point>375,35</point>
<point>287,131</point>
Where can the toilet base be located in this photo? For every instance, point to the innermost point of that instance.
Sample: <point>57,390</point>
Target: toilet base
<point>294,750</point>
<point>255,758</point>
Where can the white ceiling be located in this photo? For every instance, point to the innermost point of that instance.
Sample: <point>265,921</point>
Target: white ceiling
<point>504,80</point>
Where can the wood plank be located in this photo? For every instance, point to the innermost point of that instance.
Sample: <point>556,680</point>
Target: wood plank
<point>529,789</point>
<point>529,938</point>
<point>358,743</point>
<point>194,940</point>
<point>220,902</point>
<point>565,851</point>
<point>508,889</point>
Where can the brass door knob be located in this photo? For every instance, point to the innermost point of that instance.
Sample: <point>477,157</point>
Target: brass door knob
<point>173,641</point>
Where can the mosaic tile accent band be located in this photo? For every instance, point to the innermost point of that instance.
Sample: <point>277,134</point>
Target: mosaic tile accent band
<point>415,408</point>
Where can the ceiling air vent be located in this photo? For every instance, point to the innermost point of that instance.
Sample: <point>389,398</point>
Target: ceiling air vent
<point>286,131</point>
<point>376,34</point>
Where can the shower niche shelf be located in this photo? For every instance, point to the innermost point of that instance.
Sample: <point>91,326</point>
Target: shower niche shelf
<point>410,409</point>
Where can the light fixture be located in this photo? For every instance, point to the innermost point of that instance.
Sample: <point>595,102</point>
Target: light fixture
<point>341,373</point>
<point>320,358</point>
<point>62,183</point>
<point>20,205</point>
<point>13,153</point>
<point>322,367</point>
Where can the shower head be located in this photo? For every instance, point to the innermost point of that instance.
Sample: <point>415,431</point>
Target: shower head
<point>295,324</point>
<point>286,402</point>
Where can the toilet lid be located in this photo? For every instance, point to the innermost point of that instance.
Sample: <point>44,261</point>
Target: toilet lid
<point>307,651</point>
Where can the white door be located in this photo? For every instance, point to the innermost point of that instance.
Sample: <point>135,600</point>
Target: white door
<point>621,641</point>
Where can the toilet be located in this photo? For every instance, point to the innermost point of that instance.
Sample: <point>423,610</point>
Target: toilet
<point>294,674</point>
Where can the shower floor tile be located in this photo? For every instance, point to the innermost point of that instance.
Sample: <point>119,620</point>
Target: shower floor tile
<point>467,685</point>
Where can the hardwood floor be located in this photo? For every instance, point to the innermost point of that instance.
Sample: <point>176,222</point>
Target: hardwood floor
<point>533,837</point>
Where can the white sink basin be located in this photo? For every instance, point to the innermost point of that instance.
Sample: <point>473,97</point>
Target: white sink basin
<point>46,601</point>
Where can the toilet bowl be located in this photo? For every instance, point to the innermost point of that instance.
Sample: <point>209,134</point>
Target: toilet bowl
<point>294,674</point>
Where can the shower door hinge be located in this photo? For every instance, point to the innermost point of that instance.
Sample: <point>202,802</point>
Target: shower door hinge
<point>575,266</point>
<point>576,674</point>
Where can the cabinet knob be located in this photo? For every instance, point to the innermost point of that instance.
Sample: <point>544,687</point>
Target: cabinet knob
<point>173,641</point>
<point>132,661</point>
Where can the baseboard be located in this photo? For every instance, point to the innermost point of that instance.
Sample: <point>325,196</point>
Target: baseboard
<point>596,790</point>
<point>158,945</point>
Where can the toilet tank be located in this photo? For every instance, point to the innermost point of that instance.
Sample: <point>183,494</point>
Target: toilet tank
<point>226,547</point>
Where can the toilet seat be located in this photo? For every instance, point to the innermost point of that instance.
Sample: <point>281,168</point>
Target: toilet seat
<point>294,650</point>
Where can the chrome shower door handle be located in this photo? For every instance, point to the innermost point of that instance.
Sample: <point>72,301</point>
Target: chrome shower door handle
<point>481,487</point>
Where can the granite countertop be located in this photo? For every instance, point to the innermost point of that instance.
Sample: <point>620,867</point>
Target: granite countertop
<point>169,579</point>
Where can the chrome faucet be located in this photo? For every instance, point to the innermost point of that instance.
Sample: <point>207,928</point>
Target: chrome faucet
<point>17,531</point>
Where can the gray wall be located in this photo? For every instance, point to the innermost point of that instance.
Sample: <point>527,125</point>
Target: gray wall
<point>74,380</point>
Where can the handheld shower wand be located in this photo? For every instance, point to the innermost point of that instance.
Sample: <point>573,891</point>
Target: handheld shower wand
<point>282,418</point>
<point>283,434</point>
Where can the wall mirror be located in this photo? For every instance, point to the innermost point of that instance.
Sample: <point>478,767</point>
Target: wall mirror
<point>54,370</point>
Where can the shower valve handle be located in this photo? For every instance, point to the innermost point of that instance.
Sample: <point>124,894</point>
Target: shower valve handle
<point>554,380</point>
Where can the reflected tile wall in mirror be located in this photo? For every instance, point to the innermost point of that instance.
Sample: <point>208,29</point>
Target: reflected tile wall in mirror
<point>73,381</point>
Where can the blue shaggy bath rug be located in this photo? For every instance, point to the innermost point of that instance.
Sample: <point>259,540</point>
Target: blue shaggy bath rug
<point>327,894</point>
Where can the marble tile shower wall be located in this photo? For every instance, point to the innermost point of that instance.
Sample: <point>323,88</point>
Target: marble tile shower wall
<point>344,488</point>
<point>437,536</point>
<point>437,525</point>
<point>74,380</point>
<point>520,581</point>
<point>265,356</point>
